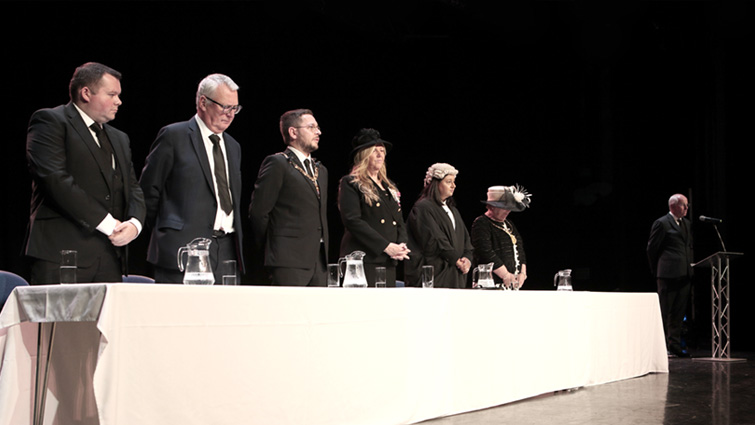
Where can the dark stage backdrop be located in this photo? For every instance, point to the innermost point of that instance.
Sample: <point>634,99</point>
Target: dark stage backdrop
<point>601,111</point>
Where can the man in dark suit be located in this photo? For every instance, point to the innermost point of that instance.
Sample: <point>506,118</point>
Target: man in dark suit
<point>669,252</point>
<point>288,209</point>
<point>85,195</point>
<point>192,183</point>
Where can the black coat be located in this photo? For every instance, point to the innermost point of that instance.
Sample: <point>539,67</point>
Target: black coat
<point>493,245</point>
<point>180,192</point>
<point>288,216</point>
<point>370,228</point>
<point>434,241</point>
<point>71,191</point>
<point>669,248</point>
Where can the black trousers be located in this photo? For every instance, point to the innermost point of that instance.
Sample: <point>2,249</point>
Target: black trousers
<point>673,295</point>
<point>105,268</point>
<point>315,276</point>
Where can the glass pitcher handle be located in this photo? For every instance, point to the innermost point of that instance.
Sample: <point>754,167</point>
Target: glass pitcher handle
<point>181,252</point>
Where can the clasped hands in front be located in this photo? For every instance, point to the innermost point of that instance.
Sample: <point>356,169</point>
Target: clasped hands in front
<point>463,264</point>
<point>397,251</point>
<point>123,233</point>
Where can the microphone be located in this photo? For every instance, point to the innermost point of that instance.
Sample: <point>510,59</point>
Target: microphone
<point>705,219</point>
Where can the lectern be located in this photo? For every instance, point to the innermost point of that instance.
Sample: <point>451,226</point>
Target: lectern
<point>720,312</point>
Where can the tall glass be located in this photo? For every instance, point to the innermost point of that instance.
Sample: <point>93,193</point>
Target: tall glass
<point>380,277</point>
<point>427,276</point>
<point>229,272</point>
<point>333,276</point>
<point>68,266</point>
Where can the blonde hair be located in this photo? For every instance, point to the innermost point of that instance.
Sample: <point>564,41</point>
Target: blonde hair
<point>362,178</point>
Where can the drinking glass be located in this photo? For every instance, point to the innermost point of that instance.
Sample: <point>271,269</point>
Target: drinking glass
<point>67,266</point>
<point>229,272</point>
<point>333,275</point>
<point>380,277</point>
<point>427,276</point>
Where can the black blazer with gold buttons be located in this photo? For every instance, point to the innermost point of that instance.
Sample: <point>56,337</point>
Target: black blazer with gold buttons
<point>369,228</point>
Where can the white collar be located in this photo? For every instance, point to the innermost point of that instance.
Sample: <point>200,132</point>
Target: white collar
<point>676,219</point>
<point>206,133</point>
<point>299,154</point>
<point>88,121</point>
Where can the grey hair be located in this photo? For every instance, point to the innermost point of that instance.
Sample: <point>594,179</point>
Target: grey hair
<point>675,199</point>
<point>211,82</point>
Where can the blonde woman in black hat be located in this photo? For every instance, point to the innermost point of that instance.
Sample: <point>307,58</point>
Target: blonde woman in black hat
<point>438,236</point>
<point>370,208</point>
<point>495,238</point>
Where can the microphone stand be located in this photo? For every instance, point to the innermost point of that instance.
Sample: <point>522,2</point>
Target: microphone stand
<point>719,237</point>
<point>720,297</point>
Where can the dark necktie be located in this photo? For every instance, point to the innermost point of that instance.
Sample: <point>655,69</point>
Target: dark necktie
<point>104,141</point>
<point>222,181</point>
<point>308,166</point>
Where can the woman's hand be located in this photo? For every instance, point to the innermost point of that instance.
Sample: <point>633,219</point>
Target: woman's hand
<point>519,280</point>
<point>397,251</point>
<point>521,276</point>
<point>463,264</point>
<point>508,278</point>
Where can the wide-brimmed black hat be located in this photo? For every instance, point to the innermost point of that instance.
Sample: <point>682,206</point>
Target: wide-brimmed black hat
<point>366,138</point>
<point>512,198</point>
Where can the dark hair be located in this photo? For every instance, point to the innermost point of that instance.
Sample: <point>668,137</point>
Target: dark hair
<point>88,75</point>
<point>291,119</point>
<point>432,192</point>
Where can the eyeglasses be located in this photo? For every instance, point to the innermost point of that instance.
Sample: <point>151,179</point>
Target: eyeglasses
<point>226,108</point>
<point>312,127</point>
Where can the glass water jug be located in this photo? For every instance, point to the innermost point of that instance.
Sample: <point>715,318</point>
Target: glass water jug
<point>198,270</point>
<point>562,280</point>
<point>353,276</point>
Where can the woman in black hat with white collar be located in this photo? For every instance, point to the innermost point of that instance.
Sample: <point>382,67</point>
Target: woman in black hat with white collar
<point>495,238</point>
<point>370,208</point>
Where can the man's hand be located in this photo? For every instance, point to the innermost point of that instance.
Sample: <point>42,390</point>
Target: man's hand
<point>123,233</point>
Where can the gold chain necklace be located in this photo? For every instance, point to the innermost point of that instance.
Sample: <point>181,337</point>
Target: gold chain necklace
<point>315,169</point>
<point>505,228</point>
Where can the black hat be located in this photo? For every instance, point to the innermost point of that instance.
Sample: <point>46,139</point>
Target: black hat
<point>512,198</point>
<point>366,138</point>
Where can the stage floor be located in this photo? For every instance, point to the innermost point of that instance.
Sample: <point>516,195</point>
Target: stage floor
<point>693,392</point>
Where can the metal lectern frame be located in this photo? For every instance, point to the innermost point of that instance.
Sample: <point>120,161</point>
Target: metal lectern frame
<point>720,312</point>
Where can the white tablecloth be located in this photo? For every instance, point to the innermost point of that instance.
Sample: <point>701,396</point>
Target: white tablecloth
<point>176,354</point>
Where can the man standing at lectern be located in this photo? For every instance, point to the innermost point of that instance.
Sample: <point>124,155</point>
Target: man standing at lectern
<point>669,252</point>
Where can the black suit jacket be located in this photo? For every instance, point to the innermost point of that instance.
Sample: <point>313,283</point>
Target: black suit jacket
<point>669,248</point>
<point>180,193</point>
<point>368,228</point>
<point>71,193</point>
<point>288,217</point>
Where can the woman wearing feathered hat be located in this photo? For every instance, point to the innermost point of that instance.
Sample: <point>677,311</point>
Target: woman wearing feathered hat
<point>495,238</point>
<point>437,233</point>
<point>370,208</point>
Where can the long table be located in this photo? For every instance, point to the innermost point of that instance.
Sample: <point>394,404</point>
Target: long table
<point>144,354</point>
